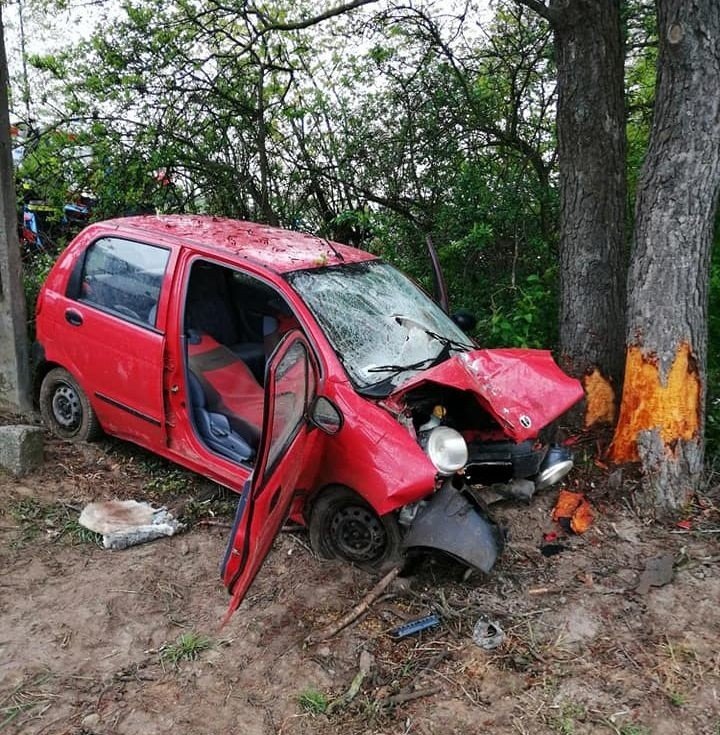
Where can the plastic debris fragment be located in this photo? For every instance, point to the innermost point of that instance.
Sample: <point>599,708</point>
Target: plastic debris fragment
<point>415,626</point>
<point>487,634</point>
<point>657,573</point>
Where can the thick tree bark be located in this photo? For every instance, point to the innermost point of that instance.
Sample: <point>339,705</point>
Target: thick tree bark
<point>662,414</point>
<point>592,184</point>
<point>591,155</point>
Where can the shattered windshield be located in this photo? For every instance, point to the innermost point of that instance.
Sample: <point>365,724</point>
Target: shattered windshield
<point>382,326</point>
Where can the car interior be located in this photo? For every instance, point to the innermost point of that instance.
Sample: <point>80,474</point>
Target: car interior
<point>232,323</point>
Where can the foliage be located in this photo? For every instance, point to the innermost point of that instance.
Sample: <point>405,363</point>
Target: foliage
<point>187,647</point>
<point>313,702</point>
<point>35,271</point>
<point>58,522</point>
<point>425,127</point>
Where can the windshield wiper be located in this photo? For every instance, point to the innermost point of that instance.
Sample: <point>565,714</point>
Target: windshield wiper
<point>383,387</point>
<point>395,369</point>
<point>448,342</point>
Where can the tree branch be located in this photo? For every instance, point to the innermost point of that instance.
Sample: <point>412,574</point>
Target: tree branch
<point>539,7</point>
<point>299,25</point>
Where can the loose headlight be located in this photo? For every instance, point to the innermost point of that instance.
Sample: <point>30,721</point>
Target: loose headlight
<point>446,449</point>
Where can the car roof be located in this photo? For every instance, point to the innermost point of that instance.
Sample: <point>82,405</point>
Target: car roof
<point>276,249</point>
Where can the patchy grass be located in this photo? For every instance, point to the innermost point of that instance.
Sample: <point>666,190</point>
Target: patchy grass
<point>168,480</point>
<point>633,730</point>
<point>568,717</point>
<point>26,697</point>
<point>313,702</point>
<point>58,521</point>
<point>159,478</point>
<point>677,699</point>
<point>222,504</point>
<point>187,647</point>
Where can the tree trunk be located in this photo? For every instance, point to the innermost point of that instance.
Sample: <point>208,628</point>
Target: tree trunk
<point>14,367</point>
<point>592,183</point>
<point>662,413</point>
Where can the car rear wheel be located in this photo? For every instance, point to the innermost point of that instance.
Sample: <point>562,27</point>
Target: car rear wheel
<point>343,526</point>
<point>65,409</point>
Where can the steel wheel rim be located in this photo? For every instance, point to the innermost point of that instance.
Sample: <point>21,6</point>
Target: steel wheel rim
<point>358,533</point>
<point>66,407</point>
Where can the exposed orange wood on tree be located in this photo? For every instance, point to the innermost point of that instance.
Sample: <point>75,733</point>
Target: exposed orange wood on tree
<point>673,408</point>
<point>599,399</point>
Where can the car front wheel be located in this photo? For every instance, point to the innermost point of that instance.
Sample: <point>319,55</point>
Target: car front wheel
<point>65,408</point>
<point>343,526</point>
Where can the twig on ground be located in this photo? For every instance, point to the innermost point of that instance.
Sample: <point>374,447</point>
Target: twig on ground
<point>214,523</point>
<point>366,663</point>
<point>408,696</point>
<point>357,611</point>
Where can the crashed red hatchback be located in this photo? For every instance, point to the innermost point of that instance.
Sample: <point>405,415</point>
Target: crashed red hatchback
<point>312,378</point>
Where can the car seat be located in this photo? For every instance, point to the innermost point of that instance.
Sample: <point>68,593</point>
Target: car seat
<point>229,386</point>
<point>209,309</point>
<point>214,428</point>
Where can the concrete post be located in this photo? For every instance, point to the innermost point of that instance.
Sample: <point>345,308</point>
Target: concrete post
<point>14,357</point>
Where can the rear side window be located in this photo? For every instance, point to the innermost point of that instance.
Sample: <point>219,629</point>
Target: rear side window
<point>124,277</point>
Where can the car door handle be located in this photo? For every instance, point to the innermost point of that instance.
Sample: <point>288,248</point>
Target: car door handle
<point>73,317</point>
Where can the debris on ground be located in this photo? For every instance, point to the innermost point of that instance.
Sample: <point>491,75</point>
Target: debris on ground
<point>357,611</point>
<point>487,634</point>
<point>412,627</point>
<point>367,662</point>
<point>657,573</point>
<point>552,549</point>
<point>125,523</point>
<point>573,511</point>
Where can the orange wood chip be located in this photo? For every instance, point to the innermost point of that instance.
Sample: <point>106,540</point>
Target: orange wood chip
<point>576,507</point>
<point>582,518</point>
<point>566,504</point>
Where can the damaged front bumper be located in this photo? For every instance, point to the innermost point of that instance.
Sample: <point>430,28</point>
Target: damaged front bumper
<point>450,522</point>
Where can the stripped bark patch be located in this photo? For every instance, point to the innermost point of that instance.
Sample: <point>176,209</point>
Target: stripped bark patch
<point>599,399</point>
<point>671,407</point>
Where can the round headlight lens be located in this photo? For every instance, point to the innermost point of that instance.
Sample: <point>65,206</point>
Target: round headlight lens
<point>447,450</point>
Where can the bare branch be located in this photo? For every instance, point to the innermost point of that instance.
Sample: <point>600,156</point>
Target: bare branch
<point>539,7</point>
<point>299,25</point>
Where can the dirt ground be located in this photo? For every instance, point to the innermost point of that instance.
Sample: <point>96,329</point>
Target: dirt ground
<point>94,642</point>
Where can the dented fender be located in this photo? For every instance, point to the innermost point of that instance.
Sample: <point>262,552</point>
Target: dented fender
<point>449,522</point>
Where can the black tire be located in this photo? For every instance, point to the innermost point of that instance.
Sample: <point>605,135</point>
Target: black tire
<point>343,526</point>
<point>65,408</point>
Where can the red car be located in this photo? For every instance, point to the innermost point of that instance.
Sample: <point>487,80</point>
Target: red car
<point>312,378</point>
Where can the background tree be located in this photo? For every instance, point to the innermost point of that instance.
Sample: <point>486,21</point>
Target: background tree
<point>592,188</point>
<point>14,364</point>
<point>662,415</point>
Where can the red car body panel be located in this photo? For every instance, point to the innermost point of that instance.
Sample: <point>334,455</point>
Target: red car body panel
<point>267,498</point>
<point>393,470</point>
<point>270,248</point>
<point>522,389</point>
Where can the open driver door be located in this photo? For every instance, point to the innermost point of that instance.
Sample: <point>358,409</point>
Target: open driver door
<point>285,448</point>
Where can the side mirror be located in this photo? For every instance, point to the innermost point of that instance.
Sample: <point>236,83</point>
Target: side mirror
<point>465,320</point>
<point>326,416</point>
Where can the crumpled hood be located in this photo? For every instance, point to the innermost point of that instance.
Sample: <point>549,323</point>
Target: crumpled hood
<point>524,390</point>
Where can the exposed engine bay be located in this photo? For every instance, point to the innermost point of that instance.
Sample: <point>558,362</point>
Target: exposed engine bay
<point>492,457</point>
